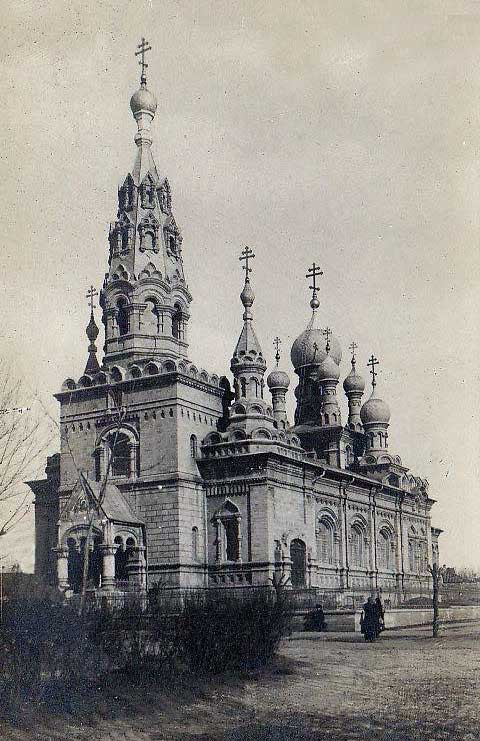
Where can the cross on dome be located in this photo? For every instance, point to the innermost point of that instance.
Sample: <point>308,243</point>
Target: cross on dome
<point>313,273</point>
<point>143,47</point>
<point>327,332</point>
<point>353,347</point>
<point>247,254</point>
<point>90,295</point>
<point>372,363</point>
<point>277,342</point>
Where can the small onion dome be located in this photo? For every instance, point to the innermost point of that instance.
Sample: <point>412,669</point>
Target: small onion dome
<point>354,382</point>
<point>92,329</point>
<point>278,379</point>
<point>143,100</point>
<point>303,351</point>
<point>247,296</point>
<point>375,410</point>
<point>328,370</point>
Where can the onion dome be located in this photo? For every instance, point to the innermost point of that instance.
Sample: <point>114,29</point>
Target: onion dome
<point>354,382</point>
<point>309,348</point>
<point>328,370</point>
<point>375,411</point>
<point>143,101</point>
<point>278,379</point>
<point>247,296</point>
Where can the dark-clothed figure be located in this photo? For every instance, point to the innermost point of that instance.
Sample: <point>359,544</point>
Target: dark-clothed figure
<point>370,622</point>
<point>380,614</point>
<point>315,620</point>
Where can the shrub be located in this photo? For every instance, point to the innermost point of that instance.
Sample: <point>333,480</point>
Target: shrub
<point>45,652</point>
<point>222,632</point>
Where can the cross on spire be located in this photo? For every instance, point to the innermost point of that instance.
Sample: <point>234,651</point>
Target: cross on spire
<point>372,363</point>
<point>314,272</point>
<point>277,342</point>
<point>327,333</point>
<point>91,293</point>
<point>143,47</point>
<point>247,254</point>
<point>353,347</point>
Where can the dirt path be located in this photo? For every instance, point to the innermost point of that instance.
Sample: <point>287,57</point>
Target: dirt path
<point>405,687</point>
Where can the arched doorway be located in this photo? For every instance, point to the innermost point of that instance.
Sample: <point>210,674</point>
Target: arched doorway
<point>298,558</point>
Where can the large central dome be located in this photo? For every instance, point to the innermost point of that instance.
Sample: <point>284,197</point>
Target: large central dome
<point>309,348</point>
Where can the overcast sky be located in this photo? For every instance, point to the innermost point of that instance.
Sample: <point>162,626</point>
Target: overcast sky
<point>340,132</point>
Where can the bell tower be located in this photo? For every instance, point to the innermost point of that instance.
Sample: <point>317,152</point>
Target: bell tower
<point>145,298</point>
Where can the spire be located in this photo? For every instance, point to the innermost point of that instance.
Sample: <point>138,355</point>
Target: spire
<point>145,297</point>
<point>247,364</point>
<point>92,365</point>
<point>354,386</point>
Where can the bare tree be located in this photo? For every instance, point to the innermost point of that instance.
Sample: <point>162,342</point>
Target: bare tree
<point>25,435</point>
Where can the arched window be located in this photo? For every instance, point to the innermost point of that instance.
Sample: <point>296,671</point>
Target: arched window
<point>178,323</point>
<point>357,541</point>
<point>152,318</point>
<point>227,523</point>
<point>119,447</point>
<point>243,383</point>
<point>325,542</point>
<point>299,563</point>
<point>193,446</point>
<point>195,543</point>
<point>121,558</point>
<point>384,550</point>
<point>122,316</point>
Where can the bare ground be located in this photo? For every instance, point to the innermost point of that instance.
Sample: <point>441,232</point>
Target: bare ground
<point>408,686</point>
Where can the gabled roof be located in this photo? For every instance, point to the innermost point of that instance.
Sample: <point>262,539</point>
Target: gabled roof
<point>114,506</point>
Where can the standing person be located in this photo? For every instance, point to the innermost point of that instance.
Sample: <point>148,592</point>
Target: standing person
<point>370,621</point>
<point>380,613</point>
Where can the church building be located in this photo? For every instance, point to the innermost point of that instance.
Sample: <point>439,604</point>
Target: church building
<point>188,479</point>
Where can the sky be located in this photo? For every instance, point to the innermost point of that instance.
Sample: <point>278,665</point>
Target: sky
<point>344,133</point>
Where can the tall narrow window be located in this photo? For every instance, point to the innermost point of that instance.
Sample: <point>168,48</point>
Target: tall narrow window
<point>325,542</point>
<point>385,550</point>
<point>178,327</point>
<point>120,451</point>
<point>357,546</point>
<point>193,446</point>
<point>122,316</point>
<point>231,537</point>
<point>195,543</point>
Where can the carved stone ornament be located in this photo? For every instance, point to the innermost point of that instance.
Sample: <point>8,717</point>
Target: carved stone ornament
<point>148,231</point>
<point>165,197</point>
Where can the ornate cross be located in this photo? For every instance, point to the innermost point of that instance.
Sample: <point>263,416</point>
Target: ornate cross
<point>91,293</point>
<point>313,273</point>
<point>247,254</point>
<point>372,363</point>
<point>327,332</point>
<point>353,347</point>
<point>277,342</point>
<point>142,50</point>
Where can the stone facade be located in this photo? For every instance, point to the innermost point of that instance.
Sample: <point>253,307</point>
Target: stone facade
<point>187,481</point>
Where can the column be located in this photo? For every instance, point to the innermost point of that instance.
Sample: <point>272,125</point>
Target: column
<point>108,567</point>
<point>62,567</point>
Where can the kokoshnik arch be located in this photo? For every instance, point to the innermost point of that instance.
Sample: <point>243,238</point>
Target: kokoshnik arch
<point>208,483</point>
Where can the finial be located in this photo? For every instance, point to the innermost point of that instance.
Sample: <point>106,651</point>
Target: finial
<point>313,273</point>
<point>327,332</point>
<point>372,363</point>
<point>277,342</point>
<point>353,347</point>
<point>92,334</point>
<point>143,47</point>
<point>247,296</point>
